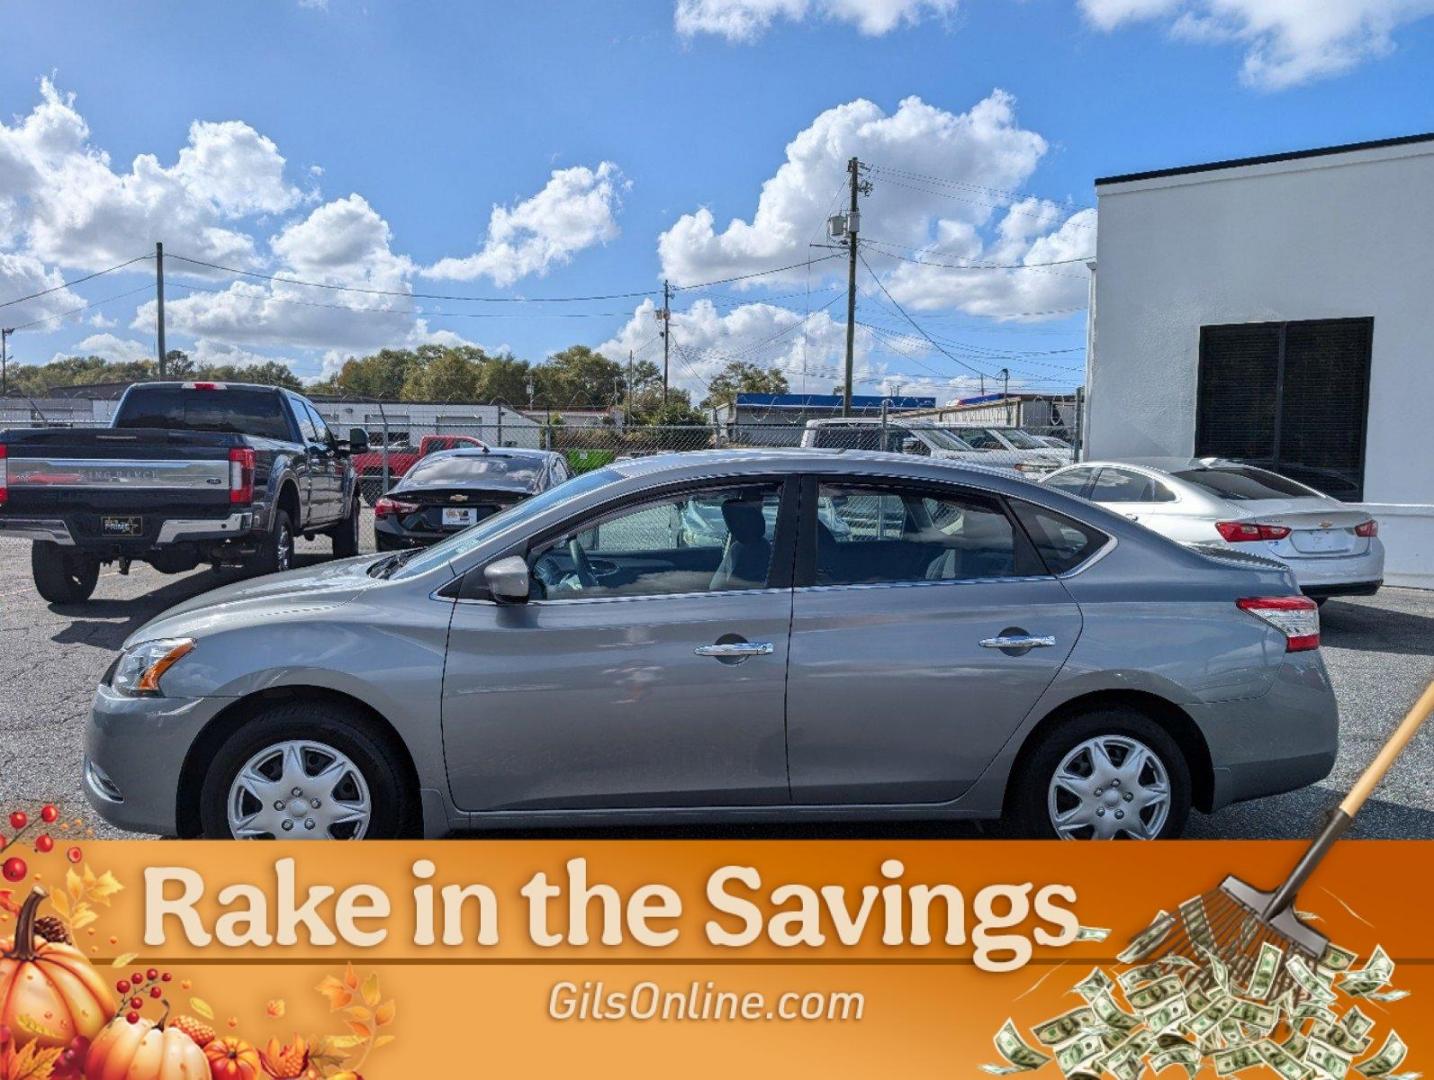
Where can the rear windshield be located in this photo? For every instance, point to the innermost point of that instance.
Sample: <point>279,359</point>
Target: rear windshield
<point>476,468</point>
<point>1243,483</point>
<point>241,412</point>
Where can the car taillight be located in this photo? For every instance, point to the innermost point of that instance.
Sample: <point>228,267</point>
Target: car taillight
<point>1241,532</point>
<point>386,507</point>
<point>4,476</point>
<point>1367,528</point>
<point>241,476</point>
<point>1297,617</point>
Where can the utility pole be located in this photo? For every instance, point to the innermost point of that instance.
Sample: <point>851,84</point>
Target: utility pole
<point>627,398</point>
<point>666,317</point>
<point>5,332</point>
<point>853,223</point>
<point>159,303</point>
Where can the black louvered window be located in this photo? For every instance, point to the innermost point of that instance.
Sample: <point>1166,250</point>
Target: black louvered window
<point>1291,397</point>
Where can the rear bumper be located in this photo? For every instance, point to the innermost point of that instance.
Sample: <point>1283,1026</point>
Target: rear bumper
<point>1317,575</point>
<point>1280,741</point>
<point>171,531</point>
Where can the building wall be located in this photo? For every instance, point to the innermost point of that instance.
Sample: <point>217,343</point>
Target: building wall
<point>1344,235</point>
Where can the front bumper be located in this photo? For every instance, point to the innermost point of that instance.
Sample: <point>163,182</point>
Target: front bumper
<point>51,529</point>
<point>134,752</point>
<point>1285,739</point>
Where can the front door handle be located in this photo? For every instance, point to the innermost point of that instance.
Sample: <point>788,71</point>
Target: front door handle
<point>1017,641</point>
<point>735,650</point>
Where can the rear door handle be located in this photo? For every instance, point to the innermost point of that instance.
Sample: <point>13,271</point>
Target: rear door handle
<point>735,649</point>
<point>1017,641</point>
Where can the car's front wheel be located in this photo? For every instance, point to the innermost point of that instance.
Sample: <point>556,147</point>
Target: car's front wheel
<point>1106,774</point>
<point>305,771</point>
<point>345,534</point>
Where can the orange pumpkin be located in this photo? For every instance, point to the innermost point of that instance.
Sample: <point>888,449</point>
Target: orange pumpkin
<point>144,1050</point>
<point>49,993</point>
<point>231,1058</point>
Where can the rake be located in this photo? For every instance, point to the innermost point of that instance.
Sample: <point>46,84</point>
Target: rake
<point>1234,921</point>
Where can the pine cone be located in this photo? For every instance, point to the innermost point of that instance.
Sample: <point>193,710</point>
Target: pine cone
<point>52,929</point>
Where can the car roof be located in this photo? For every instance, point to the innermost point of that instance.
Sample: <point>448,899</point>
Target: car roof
<point>806,459</point>
<point>1158,464</point>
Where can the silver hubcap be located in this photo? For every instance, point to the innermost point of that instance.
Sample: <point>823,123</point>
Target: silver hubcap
<point>1109,787</point>
<point>299,790</point>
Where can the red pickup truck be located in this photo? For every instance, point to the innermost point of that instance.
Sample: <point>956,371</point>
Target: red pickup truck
<point>401,458</point>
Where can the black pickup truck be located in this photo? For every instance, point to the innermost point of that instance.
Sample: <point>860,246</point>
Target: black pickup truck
<point>186,473</point>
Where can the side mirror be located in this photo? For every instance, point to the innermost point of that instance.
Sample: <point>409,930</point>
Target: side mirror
<point>358,441</point>
<point>508,580</point>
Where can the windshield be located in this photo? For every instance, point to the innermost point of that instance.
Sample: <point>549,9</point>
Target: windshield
<point>241,412</point>
<point>507,469</point>
<point>943,439</point>
<point>1019,439</point>
<point>460,544</point>
<point>1244,483</point>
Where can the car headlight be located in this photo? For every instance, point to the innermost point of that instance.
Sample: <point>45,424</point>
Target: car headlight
<point>140,667</point>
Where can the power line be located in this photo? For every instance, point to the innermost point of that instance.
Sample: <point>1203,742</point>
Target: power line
<point>78,310</point>
<point>917,326</point>
<point>1008,206</point>
<point>754,274</point>
<point>973,266</point>
<point>947,181</point>
<point>76,281</point>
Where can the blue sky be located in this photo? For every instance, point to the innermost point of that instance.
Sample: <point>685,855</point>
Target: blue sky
<point>374,140</point>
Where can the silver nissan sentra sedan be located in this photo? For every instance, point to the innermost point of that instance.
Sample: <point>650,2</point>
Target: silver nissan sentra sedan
<point>849,636</point>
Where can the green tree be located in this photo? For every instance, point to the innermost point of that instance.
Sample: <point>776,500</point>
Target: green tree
<point>579,376</point>
<point>268,373</point>
<point>740,377</point>
<point>450,376</point>
<point>379,375</point>
<point>504,379</point>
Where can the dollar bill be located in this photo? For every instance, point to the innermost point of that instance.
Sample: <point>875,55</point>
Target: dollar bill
<point>1374,975</point>
<point>1149,939</point>
<point>1267,966</point>
<point>1387,995</point>
<point>1257,1015</point>
<point>1219,973</point>
<point>1019,1056</point>
<point>1340,1037</point>
<point>1391,1055</point>
<point>1328,1060</point>
<point>1296,1044</point>
<point>1282,1061</point>
<point>1187,1056</point>
<point>1308,981</point>
<point>1112,1015</point>
<point>1144,973</point>
<point>1094,985</point>
<point>1336,959</point>
<point>1355,1022</point>
<point>1067,1026</point>
<point>1208,1019</point>
<point>1071,1057</point>
<point>1151,996</point>
<point>1237,1059</point>
<point>1168,1015</point>
<point>1092,933</point>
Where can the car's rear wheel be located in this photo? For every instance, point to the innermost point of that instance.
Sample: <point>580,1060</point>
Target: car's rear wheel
<point>1106,774</point>
<point>63,577</point>
<point>305,771</point>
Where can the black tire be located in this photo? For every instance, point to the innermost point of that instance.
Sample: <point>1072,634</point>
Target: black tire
<point>1031,785</point>
<point>339,727</point>
<point>63,577</point>
<point>276,553</point>
<point>345,534</point>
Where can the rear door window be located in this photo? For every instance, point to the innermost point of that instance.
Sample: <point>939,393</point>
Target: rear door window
<point>1063,542</point>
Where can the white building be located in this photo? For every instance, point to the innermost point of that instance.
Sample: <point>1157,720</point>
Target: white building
<point>1274,310</point>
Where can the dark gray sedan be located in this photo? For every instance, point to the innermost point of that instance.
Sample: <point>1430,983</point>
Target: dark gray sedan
<point>866,636</point>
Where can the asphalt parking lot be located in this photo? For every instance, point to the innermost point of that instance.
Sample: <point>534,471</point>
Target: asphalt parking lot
<point>1379,650</point>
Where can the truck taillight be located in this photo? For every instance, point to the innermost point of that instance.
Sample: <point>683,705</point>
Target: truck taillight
<point>1365,528</point>
<point>205,386</point>
<point>1240,532</point>
<point>1297,617</point>
<point>4,476</point>
<point>241,476</point>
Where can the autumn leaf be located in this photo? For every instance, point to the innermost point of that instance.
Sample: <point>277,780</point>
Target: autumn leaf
<point>342,1042</point>
<point>61,903</point>
<point>33,1063</point>
<point>363,1031</point>
<point>371,994</point>
<point>123,960</point>
<point>7,902</point>
<point>351,979</point>
<point>384,1014</point>
<point>276,1008</point>
<point>383,1040</point>
<point>202,1007</point>
<point>359,1013</point>
<point>336,992</point>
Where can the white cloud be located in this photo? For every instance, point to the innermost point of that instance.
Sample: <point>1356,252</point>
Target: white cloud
<point>575,210</point>
<point>941,193</point>
<point>746,20</point>
<point>109,347</point>
<point>61,196</point>
<point>1286,42</point>
<point>24,275</point>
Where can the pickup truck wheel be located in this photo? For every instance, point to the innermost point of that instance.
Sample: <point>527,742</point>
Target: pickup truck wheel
<point>305,770</point>
<point>1110,773</point>
<point>60,576</point>
<point>345,534</point>
<point>277,553</point>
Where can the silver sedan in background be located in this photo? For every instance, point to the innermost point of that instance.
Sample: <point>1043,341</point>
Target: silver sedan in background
<point>848,636</point>
<point>1332,547</point>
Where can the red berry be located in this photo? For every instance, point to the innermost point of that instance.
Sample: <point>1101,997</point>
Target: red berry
<point>43,844</point>
<point>49,814</point>
<point>14,869</point>
<point>132,1017</point>
<point>152,974</point>
<point>155,991</point>
<point>137,978</point>
<point>74,854</point>
<point>136,1003</point>
<point>122,986</point>
<point>19,819</point>
<point>166,977</point>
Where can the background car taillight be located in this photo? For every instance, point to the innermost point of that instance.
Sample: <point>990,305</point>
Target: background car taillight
<point>386,507</point>
<point>1367,528</point>
<point>1297,617</point>
<point>4,475</point>
<point>1241,532</point>
<point>241,476</point>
